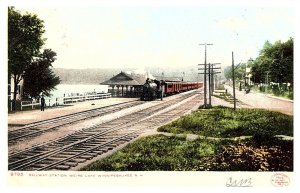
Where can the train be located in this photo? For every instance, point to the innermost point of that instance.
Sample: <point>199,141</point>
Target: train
<point>154,89</point>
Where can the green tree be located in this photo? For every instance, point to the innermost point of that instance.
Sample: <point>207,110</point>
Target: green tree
<point>39,77</point>
<point>282,62</point>
<point>258,71</point>
<point>239,72</point>
<point>24,44</point>
<point>277,59</point>
<point>228,72</point>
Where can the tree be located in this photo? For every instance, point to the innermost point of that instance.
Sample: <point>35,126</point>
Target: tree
<point>277,59</point>
<point>282,62</point>
<point>239,72</point>
<point>24,44</point>
<point>227,72</point>
<point>258,71</point>
<point>38,77</point>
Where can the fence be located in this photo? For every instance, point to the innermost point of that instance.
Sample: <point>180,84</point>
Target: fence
<point>98,96</point>
<point>28,104</point>
<point>75,99</point>
<point>66,100</point>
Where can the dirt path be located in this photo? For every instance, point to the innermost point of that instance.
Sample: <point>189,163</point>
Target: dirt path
<point>259,100</point>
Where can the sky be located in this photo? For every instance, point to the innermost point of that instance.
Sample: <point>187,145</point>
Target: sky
<point>97,36</point>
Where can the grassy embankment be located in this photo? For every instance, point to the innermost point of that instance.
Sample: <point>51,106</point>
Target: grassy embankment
<point>261,152</point>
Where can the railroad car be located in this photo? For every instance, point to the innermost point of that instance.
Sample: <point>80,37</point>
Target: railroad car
<point>154,89</point>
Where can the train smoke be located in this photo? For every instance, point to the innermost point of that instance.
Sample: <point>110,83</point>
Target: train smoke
<point>141,72</point>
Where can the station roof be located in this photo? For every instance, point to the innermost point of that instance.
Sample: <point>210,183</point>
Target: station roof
<point>126,79</point>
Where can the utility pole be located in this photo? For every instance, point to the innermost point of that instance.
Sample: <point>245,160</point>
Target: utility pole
<point>209,85</point>
<point>233,83</point>
<point>211,73</point>
<point>205,86</point>
<point>267,83</point>
<point>211,78</point>
<point>161,86</point>
<point>216,83</point>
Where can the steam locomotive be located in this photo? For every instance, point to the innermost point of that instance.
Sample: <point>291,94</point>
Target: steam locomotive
<point>154,89</point>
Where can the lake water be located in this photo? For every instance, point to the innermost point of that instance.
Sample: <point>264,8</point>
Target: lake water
<point>69,90</point>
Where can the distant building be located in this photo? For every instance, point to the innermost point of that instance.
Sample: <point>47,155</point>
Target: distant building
<point>11,89</point>
<point>126,85</point>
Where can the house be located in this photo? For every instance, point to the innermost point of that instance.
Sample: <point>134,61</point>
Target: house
<point>11,89</point>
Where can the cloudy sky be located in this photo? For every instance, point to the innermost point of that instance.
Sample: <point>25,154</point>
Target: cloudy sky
<point>97,36</point>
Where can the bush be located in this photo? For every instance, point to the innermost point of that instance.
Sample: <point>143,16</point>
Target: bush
<point>280,90</point>
<point>262,89</point>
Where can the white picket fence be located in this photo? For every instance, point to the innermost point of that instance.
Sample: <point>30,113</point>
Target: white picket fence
<point>65,100</point>
<point>28,104</point>
<point>75,99</point>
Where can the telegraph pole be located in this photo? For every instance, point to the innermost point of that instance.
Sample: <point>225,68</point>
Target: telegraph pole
<point>211,73</point>
<point>212,81</point>
<point>205,86</point>
<point>211,85</point>
<point>233,83</point>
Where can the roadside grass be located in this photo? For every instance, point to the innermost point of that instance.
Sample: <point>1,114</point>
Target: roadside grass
<point>226,97</point>
<point>171,153</point>
<point>275,90</point>
<point>225,122</point>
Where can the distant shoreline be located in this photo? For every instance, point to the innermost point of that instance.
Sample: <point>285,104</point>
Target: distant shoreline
<point>98,75</point>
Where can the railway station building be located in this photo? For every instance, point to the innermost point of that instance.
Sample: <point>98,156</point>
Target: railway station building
<point>126,85</point>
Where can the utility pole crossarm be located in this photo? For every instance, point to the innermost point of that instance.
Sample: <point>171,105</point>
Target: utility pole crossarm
<point>205,44</point>
<point>211,73</point>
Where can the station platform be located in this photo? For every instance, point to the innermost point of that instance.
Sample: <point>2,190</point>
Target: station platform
<point>22,118</point>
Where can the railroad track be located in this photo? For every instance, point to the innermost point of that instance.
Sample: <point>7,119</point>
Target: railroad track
<point>37,128</point>
<point>67,152</point>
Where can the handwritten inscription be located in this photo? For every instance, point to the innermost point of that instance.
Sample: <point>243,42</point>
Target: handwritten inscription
<point>231,182</point>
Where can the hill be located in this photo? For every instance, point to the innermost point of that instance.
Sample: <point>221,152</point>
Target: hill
<point>85,76</point>
<point>98,75</point>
